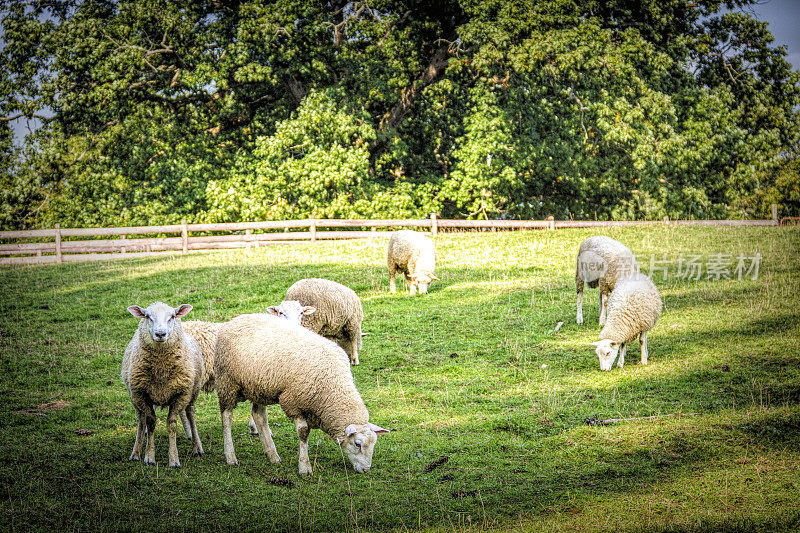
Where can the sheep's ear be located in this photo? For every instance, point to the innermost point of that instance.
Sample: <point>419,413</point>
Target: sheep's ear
<point>182,310</point>
<point>377,429</point>
<point>307,310</point>
<point>613,343</point>
<point>273,310</point>
<point>137,311</point>
<point>433,277</point>
<point>350,430</point>
<point>595,343</point>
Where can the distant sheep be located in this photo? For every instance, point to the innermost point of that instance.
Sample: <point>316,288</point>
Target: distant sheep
<point>601,262</point>
<point>328,308</point>
<point>162,367</point>
<point>633,309</point>
<point>414,255</point>
<point>266,360</point>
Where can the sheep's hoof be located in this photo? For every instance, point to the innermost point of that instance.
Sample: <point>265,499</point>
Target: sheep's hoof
<point>149,461</point>
<point>275,459</point>
<point>197,453</point>
<point>134,458</point>
<point>233,463</point>
<point>305,471</point>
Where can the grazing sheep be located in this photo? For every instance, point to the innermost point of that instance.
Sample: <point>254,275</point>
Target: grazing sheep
<point>336,312</point>
<point>266,360</point>
<point>414,255</point>
<point>601,262</point>
<point>633,309</point>
<point>162,367</point>
<point>205,333</point>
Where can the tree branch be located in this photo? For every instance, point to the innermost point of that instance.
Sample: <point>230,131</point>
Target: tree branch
<point>432,73</point>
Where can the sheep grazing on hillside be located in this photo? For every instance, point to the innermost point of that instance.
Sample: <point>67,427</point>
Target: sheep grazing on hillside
<point>267,360</point>
<point>162,367</point>
<point>205,333</point>
<point>633,309</point>
<point>601,262</point>
<point>328,308</point>
<point>414,255</point>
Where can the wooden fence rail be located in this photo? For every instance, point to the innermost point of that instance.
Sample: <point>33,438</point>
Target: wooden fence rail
<point>61,244</point>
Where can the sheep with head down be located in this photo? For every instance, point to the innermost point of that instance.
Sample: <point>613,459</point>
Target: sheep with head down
<point>601,262</point>
<point>413,254</point>
<point>633,309</point>
<point>267,360</point>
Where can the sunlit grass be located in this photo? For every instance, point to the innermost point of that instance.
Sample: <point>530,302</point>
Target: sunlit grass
<point>476,371</point>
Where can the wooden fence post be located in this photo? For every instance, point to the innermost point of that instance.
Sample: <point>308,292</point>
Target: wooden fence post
<point>312,229</point>
<point>666,219</point>
<point>248,232</point>
<point>551,222</point>
<point>185,235</point>
<point>775,213</point>
<point>58,243</point>
<point>434,226</point>
<point>122,246</point>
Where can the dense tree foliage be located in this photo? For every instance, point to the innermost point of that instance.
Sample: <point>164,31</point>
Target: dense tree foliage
<point>215,110</point>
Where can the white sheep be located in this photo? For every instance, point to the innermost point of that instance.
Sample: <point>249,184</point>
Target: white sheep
<point>633,309</point>
<point>162,367</point>
<point>291,310</point>
<point>601,262</point>
<point>328,308</point>
<point>414,255</point>
<point>267,360</point>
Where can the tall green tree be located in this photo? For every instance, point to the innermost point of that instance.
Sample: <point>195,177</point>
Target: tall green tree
<point>158,110</point>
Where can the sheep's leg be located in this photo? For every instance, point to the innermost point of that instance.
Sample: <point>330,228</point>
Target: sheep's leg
<point>643,345</point>
<point>197,446</point>
<point>141,432</point>
<point>622,355</point>
<point>412,285</point>
<point>392,271</point>
<point>258,415</point>
<point>227,440</point>
<point>302,435</point>
<point>579,305</point>
<point>187,426</point>
<point>150,429</point>
<point>603,309</point>
<point>252,425</point>
<point>172,432</point>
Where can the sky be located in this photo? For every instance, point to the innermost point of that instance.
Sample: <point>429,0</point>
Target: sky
<point>783,17</point>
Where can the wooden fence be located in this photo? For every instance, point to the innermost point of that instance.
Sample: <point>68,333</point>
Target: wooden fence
<point>59,245</point>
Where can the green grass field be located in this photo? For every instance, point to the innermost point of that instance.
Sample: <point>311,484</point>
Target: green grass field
<point>474,372</point>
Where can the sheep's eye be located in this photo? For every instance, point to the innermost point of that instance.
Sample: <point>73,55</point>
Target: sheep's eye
<point>358,445</point>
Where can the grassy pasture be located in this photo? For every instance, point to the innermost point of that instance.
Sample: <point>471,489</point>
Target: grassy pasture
<point>474,372</point>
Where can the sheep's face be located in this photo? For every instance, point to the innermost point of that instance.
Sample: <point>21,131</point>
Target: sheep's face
<point>360,443</point>
<point>160,318</point>
<point>421,280</point>
<point>291,310</point>
<point>607,351</point>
